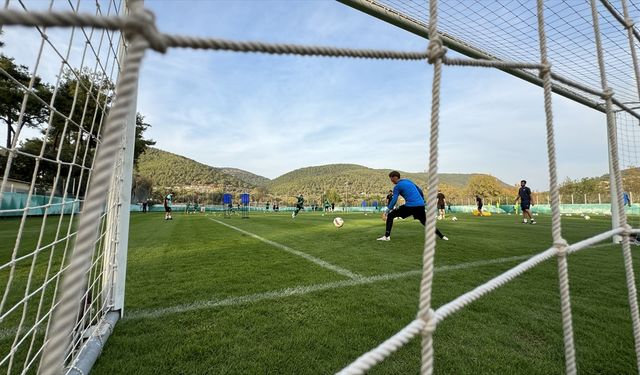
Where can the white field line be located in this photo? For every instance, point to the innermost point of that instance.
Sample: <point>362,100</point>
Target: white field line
<point>301,290</point>
<point>296,291</point>
<point>319,262</point>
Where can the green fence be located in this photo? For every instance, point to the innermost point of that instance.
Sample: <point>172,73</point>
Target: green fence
<point>13,204</point>
<point>180,207</point>
<point>603,209</point>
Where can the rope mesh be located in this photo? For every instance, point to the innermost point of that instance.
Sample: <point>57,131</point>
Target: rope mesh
<point>568,34</point>
<point>49,198</point>
<point>507,30</point>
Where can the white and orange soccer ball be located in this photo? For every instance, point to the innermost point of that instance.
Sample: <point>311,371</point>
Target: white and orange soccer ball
<point>338,222</point>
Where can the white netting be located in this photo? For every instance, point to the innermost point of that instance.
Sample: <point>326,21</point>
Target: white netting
<point>628,131</point>
<point>47,158</point>
<point>427,318</point>
<point>593,82</point>
<point>507,30</point>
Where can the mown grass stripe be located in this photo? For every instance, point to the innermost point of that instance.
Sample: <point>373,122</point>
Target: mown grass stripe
<point>311,258</point>
<point>305,289</point>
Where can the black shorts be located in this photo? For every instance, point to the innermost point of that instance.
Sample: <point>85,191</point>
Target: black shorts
<point>479,207</point>
<point>167,209</point>
<point>441,206</point>
<point>525,205</point>
<point>417,212</point>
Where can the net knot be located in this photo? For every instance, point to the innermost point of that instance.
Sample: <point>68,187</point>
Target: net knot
<point>607,94</point>
<point>144,23</point>
<point>545,69</point>
<point>628,23</point>
<point>561,246</point>
<point>430,322</point>
<point>435,50</point>
<point>626,230</point>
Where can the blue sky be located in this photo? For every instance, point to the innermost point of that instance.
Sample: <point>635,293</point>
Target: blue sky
<point>273,114</point>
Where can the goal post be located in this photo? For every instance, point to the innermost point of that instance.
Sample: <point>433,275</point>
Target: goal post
<point>613,186</point>
<point>122,248</point>
<point>64,94</point>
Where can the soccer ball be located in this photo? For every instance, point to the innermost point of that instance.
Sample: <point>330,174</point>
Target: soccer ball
<point>587,217</point>
<point>454,219</point>
<point>338,222</point>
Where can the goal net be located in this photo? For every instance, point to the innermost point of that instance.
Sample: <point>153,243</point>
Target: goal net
<point>64,284</point>
<point>55,98</point>
<point>628,132</point>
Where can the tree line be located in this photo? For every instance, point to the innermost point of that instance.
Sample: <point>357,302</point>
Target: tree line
<point>68,117</point>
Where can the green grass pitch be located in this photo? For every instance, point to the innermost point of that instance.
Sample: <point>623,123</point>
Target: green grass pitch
<point>272,295</point>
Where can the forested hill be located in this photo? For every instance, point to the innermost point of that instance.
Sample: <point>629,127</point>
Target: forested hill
<point>459,180</point>
<point>630,179</point>
<point>246,176</point>
<point>600,185</point>
<point>341,178</point>
<point>354,180</point>
<point>165,169</point>
<point>335,181</point>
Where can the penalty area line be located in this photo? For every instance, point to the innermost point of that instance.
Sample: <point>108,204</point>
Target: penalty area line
<point>302,290</point>
<point>296,291</point>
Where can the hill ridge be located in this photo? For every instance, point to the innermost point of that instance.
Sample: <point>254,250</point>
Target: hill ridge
<point>338,182</point>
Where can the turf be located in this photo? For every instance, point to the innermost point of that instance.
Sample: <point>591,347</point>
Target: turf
<point>204,298</point>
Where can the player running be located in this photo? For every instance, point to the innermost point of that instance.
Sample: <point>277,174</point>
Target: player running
<point>299,206</point>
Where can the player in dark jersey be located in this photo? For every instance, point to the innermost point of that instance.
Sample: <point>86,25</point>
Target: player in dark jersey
<point>524,195</point>
<point>442,202</point>
<point>479,204</point>
<point>299,206</point>
<point>389,197</point>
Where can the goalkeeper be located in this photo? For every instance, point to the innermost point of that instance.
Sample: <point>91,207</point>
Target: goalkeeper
<point>414,205</point>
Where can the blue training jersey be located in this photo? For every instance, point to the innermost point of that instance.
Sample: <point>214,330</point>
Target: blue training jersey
<point>411,193</point>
